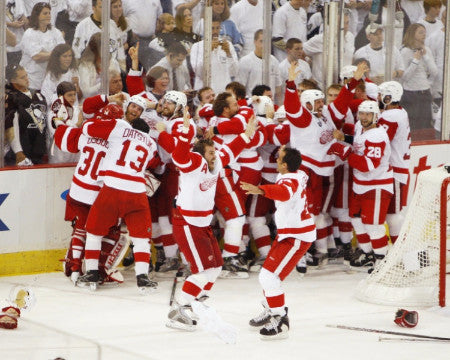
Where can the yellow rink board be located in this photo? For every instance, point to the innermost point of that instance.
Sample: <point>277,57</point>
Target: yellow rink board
<point>31,262</point>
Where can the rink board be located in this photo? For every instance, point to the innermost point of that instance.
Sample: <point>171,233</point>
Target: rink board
<point>34,235</point>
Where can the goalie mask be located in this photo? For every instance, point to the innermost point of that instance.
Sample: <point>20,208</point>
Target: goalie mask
<point>391,92</point>
<point>310,97</point>
<point>261,106</point>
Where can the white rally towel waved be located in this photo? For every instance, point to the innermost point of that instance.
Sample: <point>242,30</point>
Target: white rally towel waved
<point>211,321</point>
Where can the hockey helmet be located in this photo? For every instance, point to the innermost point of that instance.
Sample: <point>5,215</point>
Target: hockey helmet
<point>260,107</point>
<point>139,101</point>
<point>393,89</point>
<point>111,111</point>
<point>370,106</point>
<point>280,113</point>
<point>347,72</point>
<point>310,96</point>
<point>177,97</point>
<point>372,91</point>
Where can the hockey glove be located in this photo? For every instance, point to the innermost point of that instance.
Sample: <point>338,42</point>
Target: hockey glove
<point>405,318</point>
<point>8,322</point>
<point>151,183</point>
<point>340,150</point>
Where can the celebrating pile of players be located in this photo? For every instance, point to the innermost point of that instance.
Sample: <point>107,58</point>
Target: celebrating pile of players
<point>173,177</point>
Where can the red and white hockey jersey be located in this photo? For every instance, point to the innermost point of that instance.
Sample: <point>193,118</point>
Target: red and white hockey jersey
<point>87,179</point>
<point>129,154</point>
<point>291,216</point>
<point>197,184</point>
<point>370,160</point>
<point>396,124</point>
<point>311,135</point>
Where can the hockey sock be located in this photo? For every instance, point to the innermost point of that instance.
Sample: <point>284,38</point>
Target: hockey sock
<point>156,234</point>
<point>192,288</point>
<point>273,292</point>
<point>336,229</point>
<point>92,251</point>
<point>171,250</point>
<point>78,241</point>
<point>394,222</point>
<point>364,242</point>
<point>321,243</point>
<point>378,238</point>
<point>141,252</point>
<point>261,234</point>
<point>232,236</point>
<point>345,229</point>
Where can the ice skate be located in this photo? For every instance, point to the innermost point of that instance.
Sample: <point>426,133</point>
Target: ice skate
<point>378,258</point>
<point>181,317</point>
<point>91,279</point>
<point>233,268</point>
<point>160,257</point>
<point>277,328</point>
<point>262,319</point>
<point>364,262</point>
<point>348,253</point>
<point>168,268</point>
<point>318,260</point>
<point>301,266</point>
<point>145,285</point>
<point>128,260</point>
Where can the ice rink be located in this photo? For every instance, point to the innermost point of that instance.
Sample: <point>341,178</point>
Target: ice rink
<point>118,323</point>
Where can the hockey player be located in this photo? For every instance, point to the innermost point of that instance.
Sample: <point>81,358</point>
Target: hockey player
<point>199,172</point>
<point>123,195</point>
<point>394,119</point>
<point>296,231</point>
<point>372,183</point>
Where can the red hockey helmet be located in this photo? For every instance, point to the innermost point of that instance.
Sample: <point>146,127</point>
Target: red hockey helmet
<point>111,111</point>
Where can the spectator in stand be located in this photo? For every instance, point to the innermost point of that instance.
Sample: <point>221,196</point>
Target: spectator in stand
<point>26,114</point>
<point>250,69</point>
<point>183,28</point>
<point>295,53</point>
<point>223,60</point>
<point>61,66</point>
<point>195,6</point>
<point>401,23</point>
<point>37,43</point>
<point>247,24</point>
<point>289,21</point>
<point>68,19</point>
<point>91,25</point>
<point>15,22</point>
<point>164,36</point>
<point>126,35</point>
<point>414,9</point>
<point>142,16</point>
<point>174,63</point>
<point>228,29</point>
<point>431,20</point>
<point>63,110</point>
<point>90,67</point>
<point>375,53</point>
<point>419,74</point>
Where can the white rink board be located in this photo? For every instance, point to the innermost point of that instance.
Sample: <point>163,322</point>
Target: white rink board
<point>33,209</point>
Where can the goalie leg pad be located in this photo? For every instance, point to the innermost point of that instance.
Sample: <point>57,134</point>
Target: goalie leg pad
<point>405,318</point>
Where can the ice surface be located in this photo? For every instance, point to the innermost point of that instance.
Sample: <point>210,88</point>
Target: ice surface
<point>118,323</point>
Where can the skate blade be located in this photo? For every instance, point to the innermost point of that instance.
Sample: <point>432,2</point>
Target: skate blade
<point>109,284</point>
<point>279,336</point>
<point>74,277</point>
<point>145,290</point>
<point>363,269</point>
<point>226,274</point>
<point>92,286</point>
<point>255,328</point>
<point>179,326</point>
<point>165,275</point>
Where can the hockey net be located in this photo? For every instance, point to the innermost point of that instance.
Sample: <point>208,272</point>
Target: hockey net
<point>413,272</point>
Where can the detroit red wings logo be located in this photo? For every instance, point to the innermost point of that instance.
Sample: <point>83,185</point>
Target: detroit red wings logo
<point>208,184</point>
<point>326,136</point>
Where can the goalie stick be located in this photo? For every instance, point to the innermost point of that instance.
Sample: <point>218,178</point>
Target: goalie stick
<point>381,339</point>
<point>418,336</point>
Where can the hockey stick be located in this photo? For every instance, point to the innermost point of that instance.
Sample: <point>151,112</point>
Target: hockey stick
<point>174,285</point>
<point>408,339</point>
<point>389,332</point>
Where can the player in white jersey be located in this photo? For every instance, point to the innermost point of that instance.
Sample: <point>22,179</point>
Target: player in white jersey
<point>372,182</point>
<point>295,233</point>
<point>199,172</point>
<point>394,119</point>
<point>123,195</point>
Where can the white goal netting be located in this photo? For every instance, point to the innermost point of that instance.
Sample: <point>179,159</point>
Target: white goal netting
<point>409,274</point>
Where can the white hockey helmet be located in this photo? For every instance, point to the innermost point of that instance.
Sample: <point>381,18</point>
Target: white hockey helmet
<point>139,101</point>
<point>347,72</point>
<point>280,113</point>
<point>370,106</point>
<point>372,91</point>
<point>260,107</point>
<point>310,96</point>
<point>393,89</point>
<point>177,97</point>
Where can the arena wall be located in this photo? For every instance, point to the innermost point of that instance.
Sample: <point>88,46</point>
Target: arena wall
<point>34,235</point>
